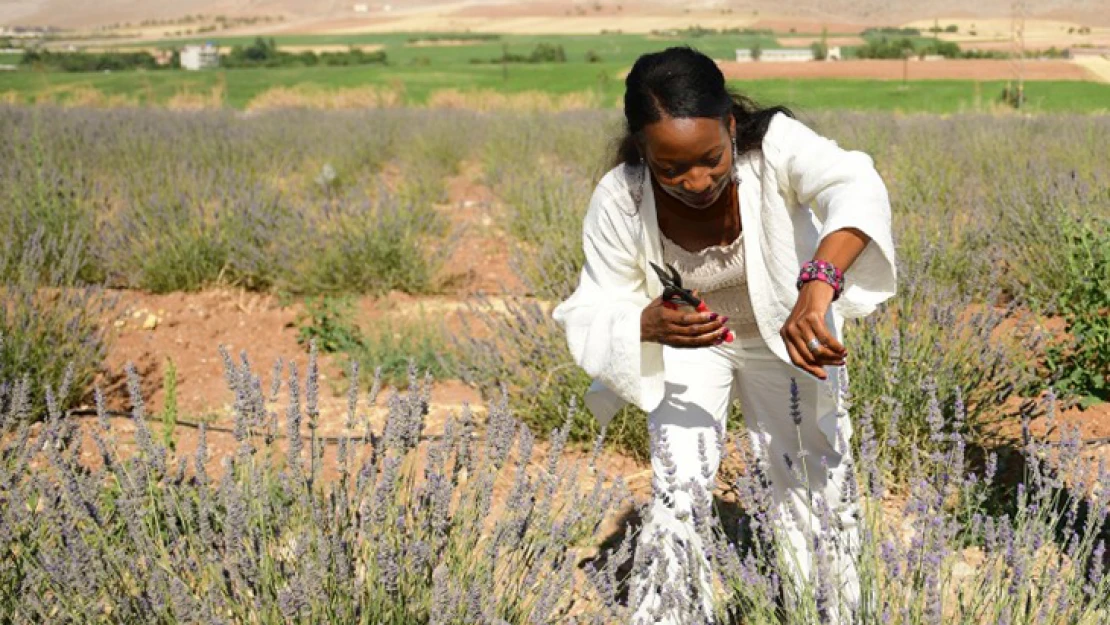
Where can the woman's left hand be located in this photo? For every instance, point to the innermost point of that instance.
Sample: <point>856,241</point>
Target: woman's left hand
<point>807,321</point>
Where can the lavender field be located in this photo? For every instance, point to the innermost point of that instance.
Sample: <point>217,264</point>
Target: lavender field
<point>986,498</point>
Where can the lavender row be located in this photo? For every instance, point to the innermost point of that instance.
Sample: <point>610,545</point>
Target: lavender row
<point>413,530</point>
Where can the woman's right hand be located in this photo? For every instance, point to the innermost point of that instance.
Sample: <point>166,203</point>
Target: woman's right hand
<point>681,327</point>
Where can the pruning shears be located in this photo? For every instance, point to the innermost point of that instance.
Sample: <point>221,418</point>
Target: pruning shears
<point>674,293</point>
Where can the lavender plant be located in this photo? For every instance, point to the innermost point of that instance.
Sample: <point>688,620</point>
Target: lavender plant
<point>50,323</point>
<point>931,341</point>
<point>186,200</point>
<point>408,533</point>
<point>415,530</point>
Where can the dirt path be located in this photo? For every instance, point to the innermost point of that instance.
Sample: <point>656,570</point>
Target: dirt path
<point>881,69</point>
<point>1098,66</point>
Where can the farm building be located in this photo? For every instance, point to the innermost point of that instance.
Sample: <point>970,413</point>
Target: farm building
<point>786,55</point>
<point>200,57</point>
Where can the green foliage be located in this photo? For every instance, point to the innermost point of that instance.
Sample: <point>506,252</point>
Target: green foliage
<point>169,405</point>
<point>1082,364</point>
<point>326,320</point>
<point>543,52</point>
<point>697,32</point>
<point>820,50</point>
<point>46,60</point>
<point>369,248</point>
<point>885,48</point>
<point>265,53</point>
<point>389,350</point>
<point>476,37</point>
<point>887,30</point>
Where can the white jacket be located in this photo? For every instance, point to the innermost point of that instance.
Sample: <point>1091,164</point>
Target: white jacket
<point>795,191</point>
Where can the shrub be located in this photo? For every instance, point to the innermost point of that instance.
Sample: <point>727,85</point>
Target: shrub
<point>366,246</point>
<point>387,351</point>
<point>1082,365</point>
<point>51,338</point>
<point>41,192</point>
<point>269,541</point>
<point>820,50</point>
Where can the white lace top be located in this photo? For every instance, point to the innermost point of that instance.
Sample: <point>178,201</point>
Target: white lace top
<point>717,272</point>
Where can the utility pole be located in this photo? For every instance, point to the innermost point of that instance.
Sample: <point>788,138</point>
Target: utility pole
<point>1018,9</point>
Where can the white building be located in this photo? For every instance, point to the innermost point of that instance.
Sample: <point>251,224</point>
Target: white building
<point>200,57</point>
<point>362,8</point>
<point>786,55</point>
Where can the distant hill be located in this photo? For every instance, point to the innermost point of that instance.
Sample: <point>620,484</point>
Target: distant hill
<point>87,14</point>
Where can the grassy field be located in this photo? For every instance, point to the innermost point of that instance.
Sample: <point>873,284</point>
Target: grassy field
<point>611,46</point>
<point>421,64</point>
<point>415,83</point>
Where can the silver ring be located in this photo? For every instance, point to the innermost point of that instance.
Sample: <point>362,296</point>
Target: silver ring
<point>814,345</point>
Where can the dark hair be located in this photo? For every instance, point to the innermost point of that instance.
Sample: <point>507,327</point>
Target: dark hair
<point>681,82</point>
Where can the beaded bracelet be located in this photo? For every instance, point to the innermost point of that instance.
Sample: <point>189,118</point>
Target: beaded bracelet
<point>824,271</point>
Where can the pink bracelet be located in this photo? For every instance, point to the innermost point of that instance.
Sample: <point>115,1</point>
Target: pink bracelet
<point>824,271</point>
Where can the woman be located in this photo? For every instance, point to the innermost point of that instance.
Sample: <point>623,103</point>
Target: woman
<point>784,235</point>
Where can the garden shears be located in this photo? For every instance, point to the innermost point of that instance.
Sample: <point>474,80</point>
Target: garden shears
<point>674,293</point>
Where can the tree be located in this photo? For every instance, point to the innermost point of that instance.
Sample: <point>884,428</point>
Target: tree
<point>821,47</point>
<point>757,51</point>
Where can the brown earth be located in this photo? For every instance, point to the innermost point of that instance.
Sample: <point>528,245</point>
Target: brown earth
<point>541,16</point>
<point>881,69</point>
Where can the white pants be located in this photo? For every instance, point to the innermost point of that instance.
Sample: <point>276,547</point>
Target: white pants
<point>700,384</point>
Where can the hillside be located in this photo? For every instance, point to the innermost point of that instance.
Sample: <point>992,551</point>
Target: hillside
<point>539,15</point>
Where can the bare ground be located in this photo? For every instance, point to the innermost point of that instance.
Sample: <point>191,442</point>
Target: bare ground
<point>879,69</point>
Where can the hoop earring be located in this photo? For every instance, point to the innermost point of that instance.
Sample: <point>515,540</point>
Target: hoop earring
<point>637,188</point>
<point>735,158</point>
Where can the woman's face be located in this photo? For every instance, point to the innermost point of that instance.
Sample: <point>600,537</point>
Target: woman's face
<point>691,158</point>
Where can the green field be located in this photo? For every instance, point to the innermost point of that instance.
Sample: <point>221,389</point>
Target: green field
<point>417,71</point>
<point>602,79</point>
<point>610,46</point>
<point>614,47</point>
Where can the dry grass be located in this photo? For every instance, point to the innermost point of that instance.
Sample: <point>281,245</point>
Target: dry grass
<point>308,96</point>
<point>187,100</point>
<point>1038,33</point>
<point>1098,67</point>
<point>486,100</point>
<point>805,42</point>
<point>83,96</point>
